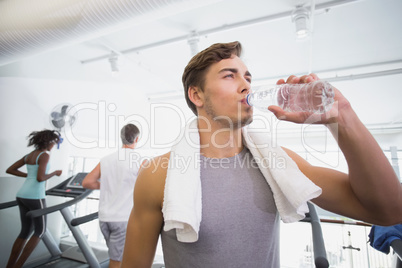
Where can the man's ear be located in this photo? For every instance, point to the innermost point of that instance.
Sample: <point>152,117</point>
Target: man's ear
<point>196,96</point>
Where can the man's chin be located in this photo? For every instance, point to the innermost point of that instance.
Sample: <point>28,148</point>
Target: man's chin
<point>247,121</point>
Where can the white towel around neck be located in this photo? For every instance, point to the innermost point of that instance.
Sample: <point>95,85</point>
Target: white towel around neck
<point>182,204</point>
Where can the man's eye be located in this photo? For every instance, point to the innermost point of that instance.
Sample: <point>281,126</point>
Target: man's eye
<point>229,75</point>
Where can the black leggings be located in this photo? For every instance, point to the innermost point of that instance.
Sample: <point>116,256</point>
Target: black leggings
<point>27,223</point>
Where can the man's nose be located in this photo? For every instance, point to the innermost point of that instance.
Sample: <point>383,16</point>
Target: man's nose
<point>246,87</point>
<point>246,90</point>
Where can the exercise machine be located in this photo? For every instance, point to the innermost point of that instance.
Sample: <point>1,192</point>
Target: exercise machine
<point>82,255</point>
<point>397,247</point>
<point>320,254</point>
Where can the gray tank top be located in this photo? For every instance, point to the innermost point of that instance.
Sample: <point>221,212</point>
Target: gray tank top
<point>240,223</point>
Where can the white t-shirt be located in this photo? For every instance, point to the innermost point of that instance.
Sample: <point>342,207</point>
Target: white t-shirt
<point>118,176</point>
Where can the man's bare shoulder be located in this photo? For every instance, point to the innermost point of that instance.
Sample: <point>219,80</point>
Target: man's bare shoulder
<point>157,166</point>
<point>151,179</point>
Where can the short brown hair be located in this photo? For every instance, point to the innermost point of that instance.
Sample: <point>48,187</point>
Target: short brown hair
<point>194,73</point>
<point>129,133</point>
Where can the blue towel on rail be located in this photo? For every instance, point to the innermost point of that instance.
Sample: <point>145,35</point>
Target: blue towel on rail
<point>380,237</point>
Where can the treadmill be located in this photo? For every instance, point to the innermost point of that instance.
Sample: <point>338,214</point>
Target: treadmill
<point>82,255</point>
<point>320,254</point>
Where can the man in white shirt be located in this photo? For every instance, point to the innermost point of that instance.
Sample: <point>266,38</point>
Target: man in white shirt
<point>115,176</point>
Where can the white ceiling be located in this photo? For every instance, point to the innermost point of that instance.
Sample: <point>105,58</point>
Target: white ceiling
<point>348,38</point>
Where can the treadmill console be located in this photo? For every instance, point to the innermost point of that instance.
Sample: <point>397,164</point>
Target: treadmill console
<point>71,187</point>
<point>76,180</point>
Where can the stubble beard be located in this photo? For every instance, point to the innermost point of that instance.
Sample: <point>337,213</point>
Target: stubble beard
<point>226,121</point>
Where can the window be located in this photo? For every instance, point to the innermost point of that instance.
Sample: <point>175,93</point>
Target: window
<point>87,206</point>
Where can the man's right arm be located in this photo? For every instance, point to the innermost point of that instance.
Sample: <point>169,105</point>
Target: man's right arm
<point>91,180</point>
<point>146,219</point>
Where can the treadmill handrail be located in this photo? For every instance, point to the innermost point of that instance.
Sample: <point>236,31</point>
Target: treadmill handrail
<point>84,219</point>
<point>397,247</point>
<point>320,255</point>
<point>48,210</point>
<point>8,204</point>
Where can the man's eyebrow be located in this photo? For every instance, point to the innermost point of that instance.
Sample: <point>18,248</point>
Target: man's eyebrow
<point>234,70</point>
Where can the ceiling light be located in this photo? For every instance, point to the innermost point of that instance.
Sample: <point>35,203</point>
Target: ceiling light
<point>300,16</point>
<point>113,59</point>
<point>193,42</point>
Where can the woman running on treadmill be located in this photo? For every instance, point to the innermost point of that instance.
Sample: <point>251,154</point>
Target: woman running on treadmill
<point>31,195</point>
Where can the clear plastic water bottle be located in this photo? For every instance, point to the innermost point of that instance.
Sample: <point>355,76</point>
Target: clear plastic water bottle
<point>314,97</point>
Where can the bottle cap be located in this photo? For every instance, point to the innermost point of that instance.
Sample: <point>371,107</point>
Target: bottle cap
<point>248,99</point>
